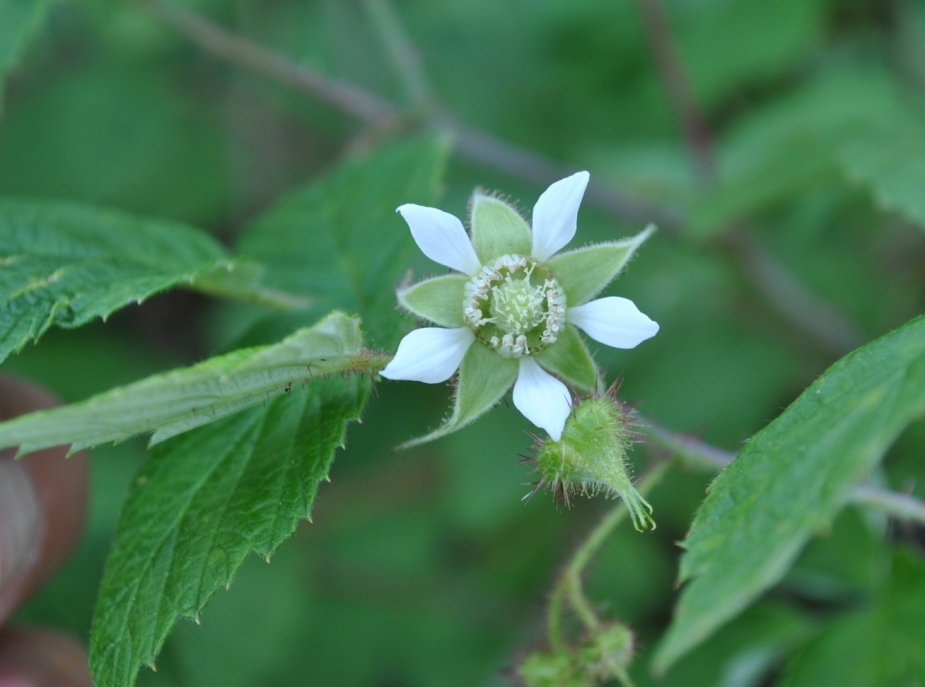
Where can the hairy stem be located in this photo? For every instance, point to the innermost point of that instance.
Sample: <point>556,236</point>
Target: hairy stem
<point>568,585</point>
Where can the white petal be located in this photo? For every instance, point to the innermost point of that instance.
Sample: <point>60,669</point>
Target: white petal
<point>556,213</point>
<point>543,399</point>
<point>441,237</point>
<point>429,355</point>
<point>613,321</point>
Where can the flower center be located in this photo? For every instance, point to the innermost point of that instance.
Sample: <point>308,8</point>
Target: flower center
<point>525,306</point>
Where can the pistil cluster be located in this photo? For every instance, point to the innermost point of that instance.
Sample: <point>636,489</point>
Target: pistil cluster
<point>514,306</point>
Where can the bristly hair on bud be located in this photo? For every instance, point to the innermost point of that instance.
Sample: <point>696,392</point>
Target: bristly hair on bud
<point>590,457</point>
<point>603,655</point>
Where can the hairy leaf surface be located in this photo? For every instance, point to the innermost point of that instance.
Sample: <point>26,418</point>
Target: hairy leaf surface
<point>66,264</point>
<point>791,479</point>
<point>200,504</point>
<point>174,402</point>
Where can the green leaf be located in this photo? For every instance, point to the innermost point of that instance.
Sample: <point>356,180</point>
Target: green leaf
<point>339,241</point>
<point>891,161</point>
<point>569,358</point>
<point>791,479</point>
<point>65,264</point>
<point>497,229</point>
<point>880,646</point>
<point>727,45</point>
<point>484,378</point>
<point>439,300</point>
<point>584,272</point>
<point>179,400</point>
<point>200,504</point>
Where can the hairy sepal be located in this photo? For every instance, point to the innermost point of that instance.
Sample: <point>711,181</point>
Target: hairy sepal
<point>484,378</point>
<point>585,272</point>
<point>438,300</point>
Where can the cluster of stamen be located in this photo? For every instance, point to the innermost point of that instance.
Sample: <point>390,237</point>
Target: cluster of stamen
<point>508,302</point>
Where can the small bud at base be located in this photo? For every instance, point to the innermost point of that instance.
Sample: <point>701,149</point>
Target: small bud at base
<point>590,457</point>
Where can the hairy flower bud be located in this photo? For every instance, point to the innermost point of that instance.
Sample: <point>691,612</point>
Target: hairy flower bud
<point>559,669</point>
<point>590,457</point>
<point>607,652</point>
<point>603,655</point>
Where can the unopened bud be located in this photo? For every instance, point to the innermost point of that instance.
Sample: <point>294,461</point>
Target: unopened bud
<point>590,457</point>
<point>553,669</point>
<point>607,652</point>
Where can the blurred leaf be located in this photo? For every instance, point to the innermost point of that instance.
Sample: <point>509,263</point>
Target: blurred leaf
<point>182,399</point>
<point>114,132</point>
<point>200,504</point>
<point>891,161</point>
<point>742,654</point>
<point>840,565</point>
<point>791,479</point>
<point>65,264</point>
<point>877,647</point>
<point>339,240</point>
<point>788,147</point>
<point>728,44</point>
<point>18,19</point>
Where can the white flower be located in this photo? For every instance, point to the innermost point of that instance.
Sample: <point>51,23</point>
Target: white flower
<point>518,299</point>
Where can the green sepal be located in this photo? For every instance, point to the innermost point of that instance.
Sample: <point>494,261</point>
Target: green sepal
<point>484,377</point>
<point>570,359</point>
<point>584,272</point>
<point>497,229</point>
<point>439,300</point>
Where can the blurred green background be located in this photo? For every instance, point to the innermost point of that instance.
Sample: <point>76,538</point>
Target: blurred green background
<point>425,567</point>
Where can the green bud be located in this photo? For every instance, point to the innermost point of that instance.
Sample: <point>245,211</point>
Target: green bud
<point>559,669</point>
<point>590,458</point>
<point>607,652</point>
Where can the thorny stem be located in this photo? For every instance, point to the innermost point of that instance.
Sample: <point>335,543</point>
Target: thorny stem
<point>568,585</point>
<point>809,312</point>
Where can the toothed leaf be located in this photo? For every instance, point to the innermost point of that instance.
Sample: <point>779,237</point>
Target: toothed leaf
<point>203,501</point>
